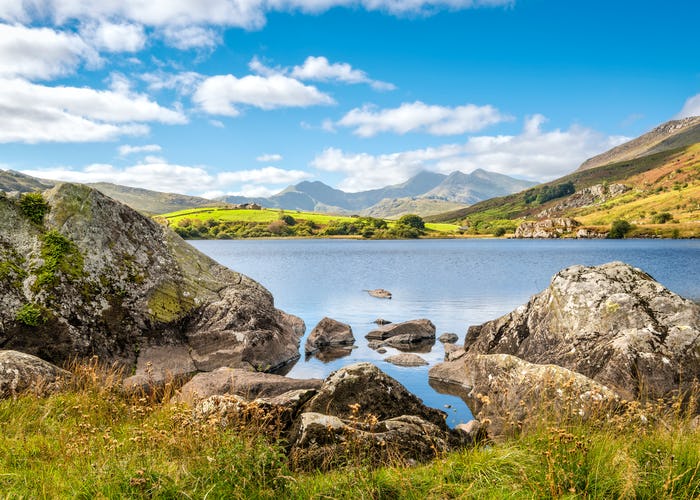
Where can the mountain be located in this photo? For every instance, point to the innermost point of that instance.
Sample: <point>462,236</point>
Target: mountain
<point>143,200</point>
<point>670,135</point>
<point>658,192</point>
<point>424,193</point>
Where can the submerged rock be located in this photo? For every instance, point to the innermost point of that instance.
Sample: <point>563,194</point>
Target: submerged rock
<point>448,338</point>
<point>20,372</point>
<point>406,359</point>
<point>97,278</point>
<point>329,332</point>
<point>612,323</point>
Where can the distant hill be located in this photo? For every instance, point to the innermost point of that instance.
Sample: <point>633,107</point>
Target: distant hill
<point>659,193</point>
<point>142,200</point>
<point>670,135</point>
<point>424,193</point>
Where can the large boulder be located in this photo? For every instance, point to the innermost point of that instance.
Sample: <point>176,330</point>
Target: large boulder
<point>245,383</point>
<point>94,277</point>
<point>364,389</point>
<point>329,332</point>
<point>504,392</point>
<point>612,323</point>
<point>418,330</point>
<point>20,372</point>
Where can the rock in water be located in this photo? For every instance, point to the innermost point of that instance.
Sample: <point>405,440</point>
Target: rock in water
<point>329,332</point>
<point>380,293</point>
<point>612,323</point>
<point>417,330</point>
<point>97,278</point>
<point>406,359</point>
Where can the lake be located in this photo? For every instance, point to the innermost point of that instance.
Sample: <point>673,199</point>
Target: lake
<point>454,283</point>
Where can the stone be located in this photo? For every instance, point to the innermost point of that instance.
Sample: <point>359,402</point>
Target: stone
<point>410,342</point>
<point>586,197</point>
<point>374,392</point>
<point>381,321</point>
<point>418,328</point>
<point>247,384</point>
<point>380,293</point>
<point>20,372</point>
<point>406,359</point>
<point>612,323</point>
<point>503,391</point>
<point>448,338</point>
<point>131,292</point>
<point>547,228</point>
<point>329,332</point>
<point>474,431</point>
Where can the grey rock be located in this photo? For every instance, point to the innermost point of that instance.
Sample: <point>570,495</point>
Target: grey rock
<point>503,391</point>
<point>20,372</point>
<point>586,197</point>
<point>419,328</point>
<point>474,431</point>
<point>375,393</point>
<point>411,342</point>
<point>247,384</point>
<point>131,292</point>
<point>448,338</point>
<point>329,332</point>
<point>612,323</point>
<point>406,359</point>
<point>547,228</point>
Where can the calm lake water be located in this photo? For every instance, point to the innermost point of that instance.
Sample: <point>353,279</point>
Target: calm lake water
<point>454,283</point>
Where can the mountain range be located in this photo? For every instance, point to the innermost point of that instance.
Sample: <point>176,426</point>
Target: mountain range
<point>424,193</point>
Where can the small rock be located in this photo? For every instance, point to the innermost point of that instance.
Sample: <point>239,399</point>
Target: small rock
<point>381,350</point>
<point>329,332</point>
<point>419,328</point>
<point>473,430</point>
<point>380,293</point>
<point>381,321</point>
<point>448,338</point>
<point>406,359</point>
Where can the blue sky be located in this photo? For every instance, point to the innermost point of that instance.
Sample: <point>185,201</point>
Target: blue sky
<point>211,97</point>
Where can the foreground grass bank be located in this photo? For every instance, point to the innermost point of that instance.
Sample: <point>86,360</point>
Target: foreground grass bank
<point>92,441</point>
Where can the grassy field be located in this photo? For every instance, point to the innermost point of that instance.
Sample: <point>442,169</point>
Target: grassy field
<point>269,216</point>
<point>93,441</point>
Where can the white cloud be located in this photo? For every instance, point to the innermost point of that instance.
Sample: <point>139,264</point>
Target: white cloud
<point>41,52</point>
<point>191,37</point>
<point>690,108</point>
<point>115,37</point>
<point>320,69</point>
<point>269,157</point>
<point>249,14</point>
<point>266,175</point>
<point>127,149</point>
<point>184,83</point>
<point>218,95</point>
<point>368,121</point>
<point>159,175</point>
<point>36,113</point>
<point>534,154</point>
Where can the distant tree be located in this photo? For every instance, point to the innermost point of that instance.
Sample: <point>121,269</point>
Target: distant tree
<point>500,231</point>
<point>412,220</point>
<point>619,229</point>
<point>661,218</point>
<point>288,219</point>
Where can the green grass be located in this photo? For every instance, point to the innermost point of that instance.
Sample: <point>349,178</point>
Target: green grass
<point>93,441</point>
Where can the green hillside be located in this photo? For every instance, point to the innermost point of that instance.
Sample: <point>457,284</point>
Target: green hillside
<point>662,183</point>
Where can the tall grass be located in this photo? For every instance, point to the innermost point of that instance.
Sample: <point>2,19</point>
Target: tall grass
<point>92,440</point>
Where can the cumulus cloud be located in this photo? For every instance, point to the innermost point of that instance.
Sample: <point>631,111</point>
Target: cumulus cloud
<point>248,14</point>
<point>184,83</point>
<point>534,154</point>
<point>36,113</point>
<point>41,53</point>
<point>320,69</point>
<point>690,108</point>
<point>219,95</point>
<point>191,37</point>
<point>369,121</point>
<point>115,37</point>
<point>127,149</point>
<point>159,175</point>
<point>269,158</point>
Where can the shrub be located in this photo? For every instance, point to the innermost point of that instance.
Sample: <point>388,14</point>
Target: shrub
<point>31,315</point>
<point>288,219</point>
<point>412,220</point>
<point>619,229</point>
<point>34,207</point>
<point>661,218</point>
<point>500,231</point>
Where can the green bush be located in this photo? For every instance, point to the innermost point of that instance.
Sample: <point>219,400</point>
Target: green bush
<point>60,255</point>
<point>500,231</point>
<point>34,207</point>
<point>661,218</point>
<point>412,220</point>
<point>619,229</point>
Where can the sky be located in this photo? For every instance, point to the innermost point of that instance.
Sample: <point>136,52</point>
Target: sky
<point>245,97</point>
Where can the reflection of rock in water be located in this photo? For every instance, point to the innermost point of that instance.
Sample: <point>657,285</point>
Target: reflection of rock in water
<point>328,354</point>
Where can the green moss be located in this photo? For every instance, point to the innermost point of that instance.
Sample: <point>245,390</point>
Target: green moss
<point>31,315</point>
<point>168,303</point>
<point>60,255</point>
<point>11,267</point>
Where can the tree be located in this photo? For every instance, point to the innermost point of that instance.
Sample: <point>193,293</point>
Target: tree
<point>412,220</point>
<point>619,229</point>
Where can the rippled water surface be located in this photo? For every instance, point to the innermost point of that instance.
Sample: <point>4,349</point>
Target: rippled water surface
<point>454,283</point>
